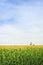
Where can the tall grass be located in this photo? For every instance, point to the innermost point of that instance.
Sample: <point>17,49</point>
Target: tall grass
<point>28,56</point>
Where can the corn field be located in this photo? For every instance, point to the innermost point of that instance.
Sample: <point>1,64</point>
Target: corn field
<point>28,56</point>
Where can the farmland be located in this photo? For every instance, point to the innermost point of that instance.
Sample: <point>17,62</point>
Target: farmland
<point>21,55</point>
<point>20,46</point>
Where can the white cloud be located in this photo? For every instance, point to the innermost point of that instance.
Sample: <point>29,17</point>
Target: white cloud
<point>10,34</point>
<point>28,26</point>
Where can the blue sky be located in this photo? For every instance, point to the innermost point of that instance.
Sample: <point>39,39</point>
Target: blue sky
<point>21,21</point>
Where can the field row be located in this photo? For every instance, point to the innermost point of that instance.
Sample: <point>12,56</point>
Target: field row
<point>19,46</point>
<point>27,56</point>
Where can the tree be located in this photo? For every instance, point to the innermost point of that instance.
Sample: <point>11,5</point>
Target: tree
<point>30,43</point>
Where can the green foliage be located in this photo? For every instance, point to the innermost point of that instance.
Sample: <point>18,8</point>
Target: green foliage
<point>32,56</point>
